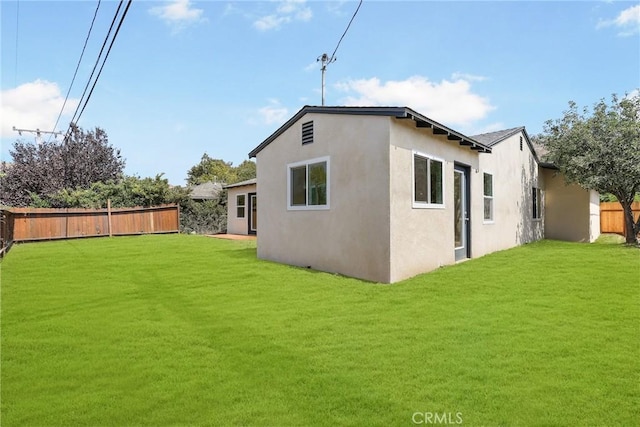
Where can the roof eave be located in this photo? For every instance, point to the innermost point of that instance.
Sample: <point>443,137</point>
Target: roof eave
<point>397,112</point>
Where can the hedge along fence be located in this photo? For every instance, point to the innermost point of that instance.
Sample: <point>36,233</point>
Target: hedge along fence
<point>32,224</point>
<point>612,217</point>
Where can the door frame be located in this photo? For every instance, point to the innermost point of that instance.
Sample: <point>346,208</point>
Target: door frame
<point>464,251</point>
<point>253,199</point>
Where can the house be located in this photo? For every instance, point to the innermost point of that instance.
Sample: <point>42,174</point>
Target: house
<point>242,214</point>
<point>205,191</point>
<point>385,193</point>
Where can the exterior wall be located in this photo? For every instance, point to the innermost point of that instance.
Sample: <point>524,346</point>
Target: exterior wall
<point>515,173</point>
<point>352,236</point>
<point>237,225</point>
<point>422,239</point>
<point>572,213</point>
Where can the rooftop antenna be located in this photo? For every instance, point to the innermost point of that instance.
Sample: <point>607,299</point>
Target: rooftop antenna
<point>325,59</point>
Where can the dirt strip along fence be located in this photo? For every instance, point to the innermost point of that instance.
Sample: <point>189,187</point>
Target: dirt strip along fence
<point>33,224</point>
<point>612,217</point>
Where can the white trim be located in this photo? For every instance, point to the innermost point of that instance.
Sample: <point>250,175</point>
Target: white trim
<point>423,205</point>
<point>243,206</point>
<point>307,163</point>
<point>492,197</point>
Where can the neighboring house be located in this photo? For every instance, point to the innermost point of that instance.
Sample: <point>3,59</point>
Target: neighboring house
<point>385,193</point>
<point>206,191</point>
<point>242,215</point>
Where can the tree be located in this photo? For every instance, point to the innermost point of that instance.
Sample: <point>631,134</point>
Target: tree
<point>217,170</point>
<point>244,171</point>
<point>209,169</point>
<point>600,150</point>
<point>37,171</point>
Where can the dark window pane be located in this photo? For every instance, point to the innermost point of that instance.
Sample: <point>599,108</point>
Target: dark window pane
<point>420,178</point>
<point>298,186</point>
<point>488,185</point>
<point>435,173</point>
<point>488,209</point>
<point>318,184</point>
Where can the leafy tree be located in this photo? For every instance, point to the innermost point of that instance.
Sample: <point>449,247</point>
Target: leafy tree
<point>217,170</point>
<point>210,169</point>
<point>600,150</point>
<point>39,170</point>
<point>244,171</point>
<point>129,192</point>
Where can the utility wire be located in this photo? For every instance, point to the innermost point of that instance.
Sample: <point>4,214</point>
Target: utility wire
<point>105,58</point>
<point>76,72</point>
<point>333,55</point>
<point>95,66</point>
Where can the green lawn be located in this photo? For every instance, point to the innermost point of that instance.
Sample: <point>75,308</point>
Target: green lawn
<point>189,330</point>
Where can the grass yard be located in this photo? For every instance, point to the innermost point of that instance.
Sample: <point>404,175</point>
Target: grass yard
<point>189,330</point>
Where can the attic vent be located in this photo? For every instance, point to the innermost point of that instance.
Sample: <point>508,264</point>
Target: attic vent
<point>307,133</point>
<point>520,143</point>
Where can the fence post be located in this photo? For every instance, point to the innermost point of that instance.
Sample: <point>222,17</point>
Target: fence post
<point>109,216</point>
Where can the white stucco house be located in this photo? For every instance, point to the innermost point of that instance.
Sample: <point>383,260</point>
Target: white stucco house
<point>242,214</point>
<point>385,193</point>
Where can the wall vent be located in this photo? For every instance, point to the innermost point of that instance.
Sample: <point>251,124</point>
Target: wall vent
<point>307,133</point>
<point>520,143</point>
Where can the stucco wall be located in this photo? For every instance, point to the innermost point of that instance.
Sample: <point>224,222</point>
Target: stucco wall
<point>422,239</point>
<point>352,237</point>
<point>572,213</point>
<point>237,225</point>
<point>515,172</point>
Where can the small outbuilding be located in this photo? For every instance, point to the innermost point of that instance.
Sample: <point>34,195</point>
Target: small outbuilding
<point>242,207</point>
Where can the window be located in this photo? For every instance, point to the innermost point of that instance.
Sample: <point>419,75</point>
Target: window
<point>520,143</point>
<point>240,205</point>
<point>307,133</point>
<point>488,197</point>
<point>536,196</point>
<point>428,182</point>
<point>308,184</point>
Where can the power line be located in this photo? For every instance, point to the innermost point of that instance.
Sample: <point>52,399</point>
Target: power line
<point>95,66</point>
<point>105,58</point>
<point>75,116</point>
<point>333,55</point>
<point>326,59</point>
<point>77,67</point>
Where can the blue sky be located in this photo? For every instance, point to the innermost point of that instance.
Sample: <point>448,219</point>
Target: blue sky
<point>186,77</point>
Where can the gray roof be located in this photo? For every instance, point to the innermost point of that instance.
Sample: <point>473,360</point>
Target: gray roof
<point>397,112</point>
<point>492,138</point>
<point>251,181</point>
<point>206,191</point>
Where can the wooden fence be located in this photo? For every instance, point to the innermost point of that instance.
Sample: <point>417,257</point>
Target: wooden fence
<point>31,224</point>
<point>612,217</point>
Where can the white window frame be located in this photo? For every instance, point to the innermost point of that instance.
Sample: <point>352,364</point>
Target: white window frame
<point>243,206</point>
<point>306,163</point>
<point>492,198</point>
<point>426,205</point>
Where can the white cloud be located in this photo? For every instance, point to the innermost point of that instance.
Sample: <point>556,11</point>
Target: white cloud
<point>628,21</point>
<point>286,11</point>
<point>274,113</point>
<point>450,102</point>
<point>33,105</point>
<point>466,76</point>
<point>178,14</point>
